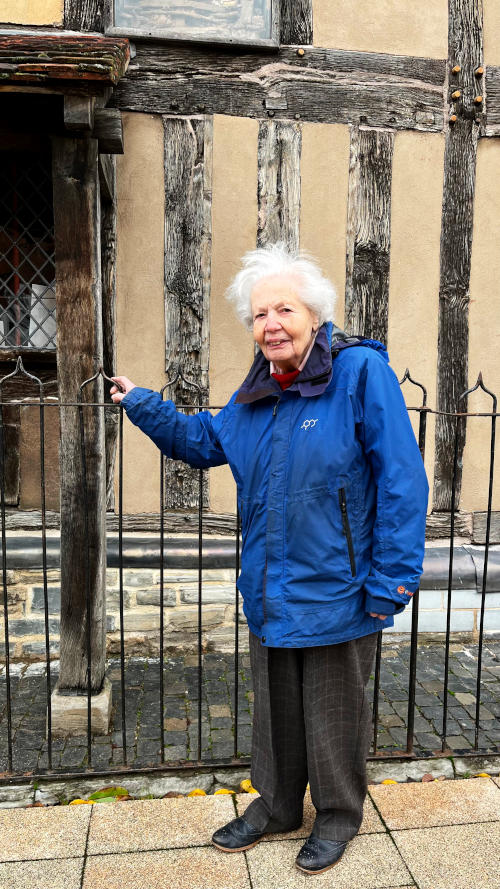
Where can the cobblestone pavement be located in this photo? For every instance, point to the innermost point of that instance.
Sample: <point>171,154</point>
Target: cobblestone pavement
<point>142,720</point>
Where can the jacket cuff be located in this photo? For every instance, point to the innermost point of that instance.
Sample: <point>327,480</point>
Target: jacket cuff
<point>387,595</point>
<point>134,396</point>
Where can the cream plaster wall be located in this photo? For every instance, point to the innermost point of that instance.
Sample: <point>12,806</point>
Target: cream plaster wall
<point>234,231</point>
<point>491,29</point>
<point>484,327</point>
<point>417,191</point>
<point>32,12</point>
<point>139,286</point>
<point>388,26</point>
<point>323,206</point>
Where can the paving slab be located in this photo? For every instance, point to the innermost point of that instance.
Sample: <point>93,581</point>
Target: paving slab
<point>371,821</point>
<point>139,825</point>
<point>173,869</point>
<point>437,802</point>
<point>369,862</point>
<point>58,832</point>
<point>65,873</point>
<point>457,857</point>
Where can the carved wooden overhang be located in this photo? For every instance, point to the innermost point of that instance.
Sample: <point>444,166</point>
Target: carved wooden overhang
<point>83,68</point>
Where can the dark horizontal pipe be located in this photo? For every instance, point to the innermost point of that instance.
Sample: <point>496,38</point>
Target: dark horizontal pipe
<point>25,553</point>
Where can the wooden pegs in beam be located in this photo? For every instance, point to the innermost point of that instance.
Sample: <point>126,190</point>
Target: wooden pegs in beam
<point>478,100</point>
<point>456,69</point>
<point>79,113</point>
<point>453,118</point>
<point>301,52</point>
<point>456,94</point>
<point>479,71</point>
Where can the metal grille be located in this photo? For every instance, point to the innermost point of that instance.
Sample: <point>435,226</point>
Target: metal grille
<point>27,255</point>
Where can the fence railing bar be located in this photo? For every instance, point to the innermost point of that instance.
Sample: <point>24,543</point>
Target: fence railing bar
<point>236,632</point>
<point>87,579</point>
<point>162,600</point>
<point>44,577</point>
<point>8,688</point>
<point>120,580</point>
<point>376,687</point>
<point>412,671</point>
<point>450,584</point>
<point>480,385</point>
<point>200,595</point>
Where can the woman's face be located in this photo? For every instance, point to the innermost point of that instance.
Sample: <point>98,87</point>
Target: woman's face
<point>282,325</point>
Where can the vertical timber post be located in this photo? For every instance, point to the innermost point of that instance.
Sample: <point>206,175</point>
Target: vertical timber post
<point>369,233</point>
<point>79,354</point>
<point>465,55</point>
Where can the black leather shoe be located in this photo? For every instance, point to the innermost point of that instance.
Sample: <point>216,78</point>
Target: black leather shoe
<point>318,855</point>
<point>236,836</point>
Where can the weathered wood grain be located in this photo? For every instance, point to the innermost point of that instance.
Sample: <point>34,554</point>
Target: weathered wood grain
<point>465,50</point>
<point>479,527</point>
<point>83,15</point>
<point>108,130</point>
<point>186,522</point>
<point>323,85</point>
<point>188,239</point>
<point>79,113</point>
<point>296,21</point>
<point>369,233</point>
<point>47,57</point>
<point>79,353</point>
<point>278,183</point>
<point>107,163</point>
<point>10,420</point>
<point>492,117</point>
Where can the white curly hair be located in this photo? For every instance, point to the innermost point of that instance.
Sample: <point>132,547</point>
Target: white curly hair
<point>315,291</point>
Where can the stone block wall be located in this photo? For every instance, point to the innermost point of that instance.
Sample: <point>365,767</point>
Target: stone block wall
<point>141,596</point>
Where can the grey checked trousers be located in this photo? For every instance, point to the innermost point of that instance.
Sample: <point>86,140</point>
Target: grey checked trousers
<point>312,722</point>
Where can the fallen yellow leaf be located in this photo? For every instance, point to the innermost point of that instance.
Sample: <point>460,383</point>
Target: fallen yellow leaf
<point>246,785</point>
<point>81,802</point>
<point>388,781</point>
<point>482,775</point>
<point>223,790</point>
<point>197,792</point>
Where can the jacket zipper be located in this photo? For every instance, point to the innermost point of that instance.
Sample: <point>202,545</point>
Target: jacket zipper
<point>264,584</point>
<point>347,530</point>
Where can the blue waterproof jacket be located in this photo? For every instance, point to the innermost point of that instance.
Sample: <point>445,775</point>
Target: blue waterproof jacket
<point>331,488</point>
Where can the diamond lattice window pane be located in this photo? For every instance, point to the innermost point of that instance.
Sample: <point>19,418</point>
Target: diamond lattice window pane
<point>27,254</point>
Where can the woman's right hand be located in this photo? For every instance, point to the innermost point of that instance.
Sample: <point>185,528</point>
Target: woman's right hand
<point>122,388</point>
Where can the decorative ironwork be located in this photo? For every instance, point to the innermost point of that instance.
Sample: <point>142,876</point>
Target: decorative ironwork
<point>27,253</point>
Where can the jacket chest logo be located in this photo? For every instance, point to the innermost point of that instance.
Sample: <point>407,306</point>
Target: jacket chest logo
<point>308,424</point>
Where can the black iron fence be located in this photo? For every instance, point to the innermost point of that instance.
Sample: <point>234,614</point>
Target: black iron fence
<point>122,723</point>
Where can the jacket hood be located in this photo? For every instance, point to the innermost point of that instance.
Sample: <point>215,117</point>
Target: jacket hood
<point>317,373</point>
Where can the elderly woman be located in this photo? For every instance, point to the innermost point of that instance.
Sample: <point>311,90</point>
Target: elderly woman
<point>332,494</point>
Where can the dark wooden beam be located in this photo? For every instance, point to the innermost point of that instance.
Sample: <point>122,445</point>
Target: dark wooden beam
<point>278,183</point>
<point>108,130</point>
<point>107,177</point>
<point>465,52</point>
<point>79,113</point>
<point>83,15</point>
<point>188,238</point>
<point>79,353</point>
<point>369,233</point>
<point>26,58</point>
<point>296,21</point>
<point>322,85</point>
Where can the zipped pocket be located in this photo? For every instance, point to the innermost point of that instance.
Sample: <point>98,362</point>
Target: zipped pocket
<point>347,530</point>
